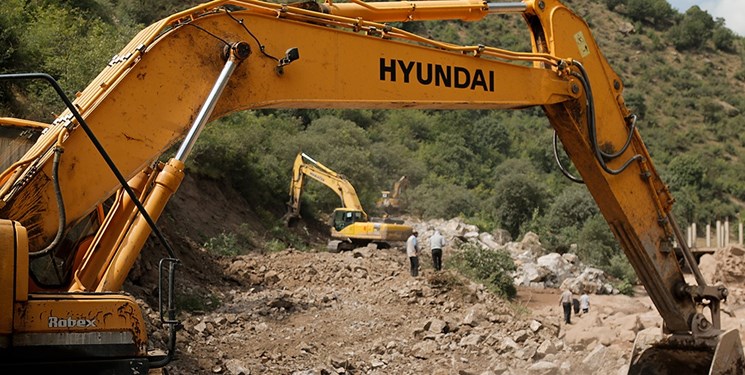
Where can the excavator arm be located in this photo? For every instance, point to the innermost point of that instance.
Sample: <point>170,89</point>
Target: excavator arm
<point>350,225</point>
<point>229,55</point>
<point>306,166</point>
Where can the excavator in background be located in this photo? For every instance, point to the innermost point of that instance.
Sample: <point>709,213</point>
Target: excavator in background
<point>390,200</point>
<point>64,254</point>
<point>350,225</point>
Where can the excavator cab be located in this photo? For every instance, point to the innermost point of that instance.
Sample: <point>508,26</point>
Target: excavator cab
<point>343,218</point>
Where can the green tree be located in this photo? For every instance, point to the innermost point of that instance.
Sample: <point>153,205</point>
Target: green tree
<point>440,198</point>
<point>693,31</point>
<point>248,152</point>
<point>566,216</point>
<point>517,196</point>
<point>450,157</point>
<point>596,244</point>
<point>686,170</point>
<point>69,47</point>
<point>724,38</point>
<point>145,12</point>
<point>655,12</point>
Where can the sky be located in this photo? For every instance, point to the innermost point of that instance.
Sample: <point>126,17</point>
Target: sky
<point>733,11</point>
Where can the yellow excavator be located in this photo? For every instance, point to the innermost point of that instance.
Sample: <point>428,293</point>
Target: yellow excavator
<point>350,225</point>
<point>390,200</point>
<point>64,255</point>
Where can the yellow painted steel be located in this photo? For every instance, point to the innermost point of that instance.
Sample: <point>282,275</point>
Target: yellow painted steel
<point>81,314</point>
<point>112,234</point>
<point>146,99</point>
<point>13,274</point>
<point>140,106</point>
<point>362,229</point>
<point>166,184</point>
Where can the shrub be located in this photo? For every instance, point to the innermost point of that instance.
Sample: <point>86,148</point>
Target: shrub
<point>624,288</point>
<point>490,267</point>
<point>225,244</point>
<point>620,268</point>
<point>195,302</point>
<point>740,75</point>
<point>724,38</point>
<point>274,246</point>
<point>656,12</point>
<point>611,4</point>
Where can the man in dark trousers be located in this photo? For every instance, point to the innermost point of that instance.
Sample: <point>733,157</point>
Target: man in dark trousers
<point>412,250</point>
<point>436,243</point>
<point>566,302</point>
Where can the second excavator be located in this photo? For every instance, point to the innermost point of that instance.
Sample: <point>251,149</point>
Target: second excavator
<point>390,200</point>
<point>350,225</point>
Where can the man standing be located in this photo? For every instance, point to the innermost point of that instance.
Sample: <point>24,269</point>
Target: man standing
<point>584,303</point>
<point>436,243</point>
<point>566,302</point>
<point>412,250</point>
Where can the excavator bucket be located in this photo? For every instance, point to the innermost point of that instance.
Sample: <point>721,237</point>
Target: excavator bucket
<point>658,354</point>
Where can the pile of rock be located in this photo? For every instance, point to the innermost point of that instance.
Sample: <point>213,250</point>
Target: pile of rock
<point>536,268</point>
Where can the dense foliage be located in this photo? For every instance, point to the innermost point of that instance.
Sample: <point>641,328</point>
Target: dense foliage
<point>683,75</point>
<point>489,267</point>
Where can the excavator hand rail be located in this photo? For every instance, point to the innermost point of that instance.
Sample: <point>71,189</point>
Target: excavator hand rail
<point>171,321</point>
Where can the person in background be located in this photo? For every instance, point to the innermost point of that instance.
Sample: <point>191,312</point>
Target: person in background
<point>436,243</point>
<point>566,302</point>
<point>412,250</point>
<point>584,303</point>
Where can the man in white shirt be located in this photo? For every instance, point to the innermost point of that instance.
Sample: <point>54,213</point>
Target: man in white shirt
<point>436,243</point>
<point>584,303</point>
<point>412,250</point>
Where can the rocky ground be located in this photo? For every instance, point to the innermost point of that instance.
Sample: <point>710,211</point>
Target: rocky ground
<point>360,312</point>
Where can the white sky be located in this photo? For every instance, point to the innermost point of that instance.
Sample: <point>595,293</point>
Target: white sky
<point>733,11</point>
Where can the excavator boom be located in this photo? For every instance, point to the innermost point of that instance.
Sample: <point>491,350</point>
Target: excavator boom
<point>350,225</point>
<point>304,166</point>
<point>230,55</point>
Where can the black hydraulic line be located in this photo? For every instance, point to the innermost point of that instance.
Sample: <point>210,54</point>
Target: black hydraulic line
<point>564,171</point>
<point>99,147</point>
<point>208,33</point>
<point>583,77</point>
<point>243,24</point>
<point>62,216</point>
<point>628,140</point>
